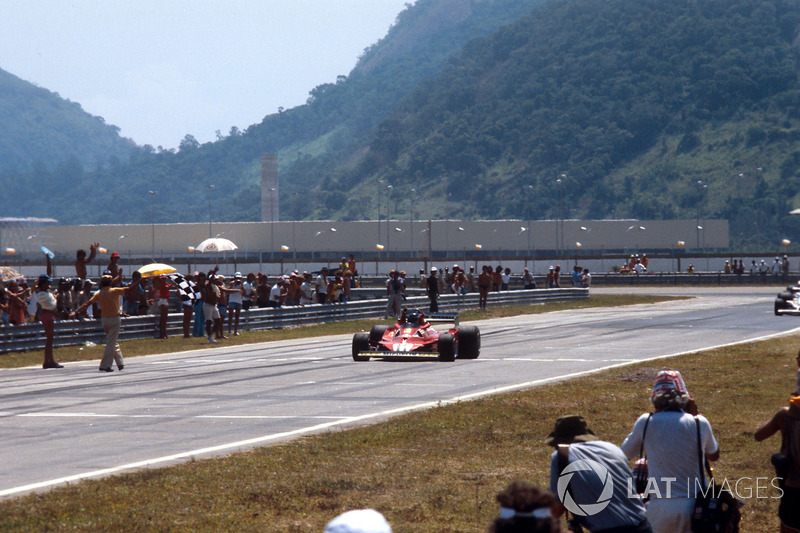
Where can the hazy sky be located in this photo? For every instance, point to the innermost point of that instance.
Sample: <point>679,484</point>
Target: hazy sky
<point>161,69</point>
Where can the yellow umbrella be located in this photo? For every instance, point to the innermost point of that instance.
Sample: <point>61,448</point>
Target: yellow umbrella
<point>156,269</point>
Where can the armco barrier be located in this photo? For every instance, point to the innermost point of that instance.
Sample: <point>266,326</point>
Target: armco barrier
<point>76,332</point>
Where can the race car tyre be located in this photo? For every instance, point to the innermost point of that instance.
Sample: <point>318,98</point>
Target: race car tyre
<point>360,345</point>
<point>778,306</point>
<point>786,295</point>
<point>376,334</point>
<point>469,342</point>
<point>447,347</point>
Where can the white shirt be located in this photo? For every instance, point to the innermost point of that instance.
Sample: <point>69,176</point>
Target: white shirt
<point>671,450</point>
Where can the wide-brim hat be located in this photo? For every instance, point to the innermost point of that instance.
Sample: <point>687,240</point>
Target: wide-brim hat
<point>569,429</point>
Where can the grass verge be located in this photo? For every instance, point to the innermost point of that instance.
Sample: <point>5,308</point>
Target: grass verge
<point>436,470</point>
<point>138,347</point>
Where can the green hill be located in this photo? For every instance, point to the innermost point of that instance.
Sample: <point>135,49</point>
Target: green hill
<point>41,131</point>
<point>647,108</point>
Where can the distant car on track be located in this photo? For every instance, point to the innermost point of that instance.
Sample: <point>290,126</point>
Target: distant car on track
<point>788,302</point>
<point>414,336</point>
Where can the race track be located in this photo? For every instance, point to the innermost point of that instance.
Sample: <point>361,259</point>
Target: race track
<point>60,426</point>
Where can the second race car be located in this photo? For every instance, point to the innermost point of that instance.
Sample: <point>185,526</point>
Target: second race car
<point>414,336</point>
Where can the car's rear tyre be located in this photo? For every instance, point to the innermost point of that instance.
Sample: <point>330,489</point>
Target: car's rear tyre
<point>447,347</point>
<point>376,334</point>
<point>779,304</point>
<point>786,295</point>
<point>360,345</point>
<point>469,342</point>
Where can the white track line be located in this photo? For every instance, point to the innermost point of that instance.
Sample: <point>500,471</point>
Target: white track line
<point>351,420</point>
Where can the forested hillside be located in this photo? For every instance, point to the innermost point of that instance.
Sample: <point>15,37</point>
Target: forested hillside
<point>634,100</point>
<point>41,131</point>
<point>511,108</point>
<point>311,140</point>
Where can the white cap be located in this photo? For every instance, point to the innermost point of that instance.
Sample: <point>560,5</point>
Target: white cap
<point>237,275</point>
<point>434,269</point>
<point>359,521</point>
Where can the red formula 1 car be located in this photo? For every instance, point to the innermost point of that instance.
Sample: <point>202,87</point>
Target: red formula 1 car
<point>413,336</point>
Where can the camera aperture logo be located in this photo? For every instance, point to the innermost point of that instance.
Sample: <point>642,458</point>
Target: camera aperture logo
<point>585,509</point>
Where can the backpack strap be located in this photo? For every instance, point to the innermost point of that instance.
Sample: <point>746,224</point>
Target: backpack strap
<point>644,434</point>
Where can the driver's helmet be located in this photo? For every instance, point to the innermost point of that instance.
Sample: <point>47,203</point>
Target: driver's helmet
<point>413,317</point>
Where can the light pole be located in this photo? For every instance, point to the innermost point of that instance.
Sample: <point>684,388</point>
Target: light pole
<point>702,188</point>
<point>529,190</point>
<point>153,224</point>
<point>271,223</point>
<point>378,207</point>
<point>411,224</point>
<point>560,224</point>
<point>210,191</point>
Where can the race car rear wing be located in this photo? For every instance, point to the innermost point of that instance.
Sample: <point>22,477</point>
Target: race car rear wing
<point>442,317</point>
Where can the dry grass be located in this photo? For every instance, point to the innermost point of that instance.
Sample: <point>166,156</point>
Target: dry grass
<point>432,471</point>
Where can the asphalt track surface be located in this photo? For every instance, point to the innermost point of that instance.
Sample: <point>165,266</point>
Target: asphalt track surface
<point>60,426</point>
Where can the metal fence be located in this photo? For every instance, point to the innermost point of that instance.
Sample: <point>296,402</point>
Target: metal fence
<point>77,332</point>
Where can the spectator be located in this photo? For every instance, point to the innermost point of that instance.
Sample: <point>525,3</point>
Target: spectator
<point>47,315</point>
<point>351,266</point>
<point>262,291</point>
<point>690,270</point>
<point>484,284</point>
<point>277,295</point>
<point>727,268</point>
<point>394,293</point>
<point>670,445</point>
<point>199,314</point>
<point>84,296</point>
<point>108,298</point>
<point>645,261</point>
<point>785,264</point>
<point>763,269</point>
<point>306,292</point>
<point>575,442</point>
<point>432,289</point>
<point>64,299</point>
<point>787,463</point>
<point>81,260</point>
<point>222,306</point>
<point>524,509</point>
<point>235,303</point>
<point>17,297</point>
<point>471,279</point>
<point>248,287</point>
<point>576,276</point>
<point>3,305</point>
<point>551,277</point>
<point>505,279</point>
<point>359,521</point>
<point>460,283</point>
<point>423,279</point>
<point>557,277</point>
<point>211,295</point>
<point>527,279</point>
<point>586,279</point>
<point>638,267</point>
<point>776,266</point>
<point>113,267</point>
<point>162,287</point>
<point>347,283</point>
<point>497,278</point>
<point>321,286</point>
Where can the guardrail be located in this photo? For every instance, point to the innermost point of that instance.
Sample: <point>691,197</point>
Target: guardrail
<point>77,332</point>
